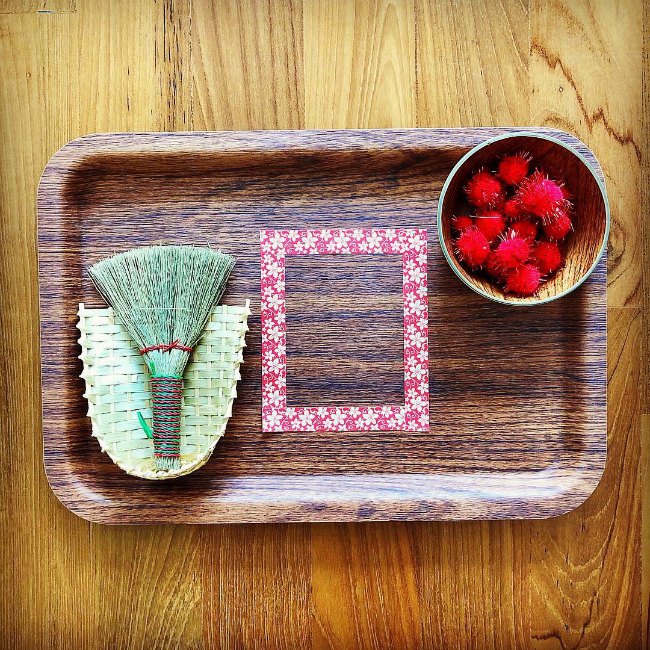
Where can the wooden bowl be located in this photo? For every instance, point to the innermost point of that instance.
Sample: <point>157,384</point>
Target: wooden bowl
<point>584,245</point>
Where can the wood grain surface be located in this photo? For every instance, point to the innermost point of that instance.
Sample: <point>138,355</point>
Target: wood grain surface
<point>569,582</point>
<point>106,193</point>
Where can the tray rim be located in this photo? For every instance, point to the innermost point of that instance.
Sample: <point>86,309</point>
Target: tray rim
<point>250,496</point>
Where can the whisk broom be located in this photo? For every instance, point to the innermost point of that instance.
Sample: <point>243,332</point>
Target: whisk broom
<point>163,295</point>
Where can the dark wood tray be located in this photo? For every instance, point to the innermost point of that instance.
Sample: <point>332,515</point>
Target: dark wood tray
<point>518,395</point>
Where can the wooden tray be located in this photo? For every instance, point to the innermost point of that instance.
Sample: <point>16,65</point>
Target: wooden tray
<point>518,396</point>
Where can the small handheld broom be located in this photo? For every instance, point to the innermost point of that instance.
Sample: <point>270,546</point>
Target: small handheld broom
<point>163,295</point>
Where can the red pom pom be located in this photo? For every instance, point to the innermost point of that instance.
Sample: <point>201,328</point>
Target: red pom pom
<point>541,196</point>
<point>523,281</point>
<point>525,229</point>
<point>512,209</point>
<point>493,268</point>
<point>547,257</point>
<point>512,252</point>
<point>491,224</point>
<point>558,227</point>
<point>461,222</point>
<point>513,169</point>
<point>484,190</point>
<point>533,204</point>
<point>472,247</point>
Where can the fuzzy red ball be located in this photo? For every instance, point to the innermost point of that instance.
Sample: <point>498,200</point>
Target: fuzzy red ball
<point>512,252</point>
<point>491,224</point>
<point>492,267</point>
<point>513,169</point>
<point>512,209</point>
<point>547,257</point>
<point>541,196</point>
<point>484,190</point>
<point>538,210</point>
<point>472,247</point>
<point>525,229</point>
<point>523,281</point>
<point>461,222</point>
<point>559,226</point>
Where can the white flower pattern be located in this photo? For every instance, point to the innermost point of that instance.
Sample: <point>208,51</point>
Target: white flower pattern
<point>275,245</point>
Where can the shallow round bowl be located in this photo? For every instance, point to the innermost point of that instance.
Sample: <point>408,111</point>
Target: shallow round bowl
<point>583,247</point>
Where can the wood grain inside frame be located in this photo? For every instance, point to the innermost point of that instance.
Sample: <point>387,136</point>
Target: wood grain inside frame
<point>345,330</point>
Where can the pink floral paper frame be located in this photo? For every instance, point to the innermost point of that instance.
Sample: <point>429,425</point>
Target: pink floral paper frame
<point>411,244</point>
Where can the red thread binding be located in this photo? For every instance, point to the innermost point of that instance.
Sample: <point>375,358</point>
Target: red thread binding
<point>167,347</point>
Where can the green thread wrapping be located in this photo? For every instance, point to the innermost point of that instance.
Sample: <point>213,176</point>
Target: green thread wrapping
<point>167,394</point>
<point>143,423</point>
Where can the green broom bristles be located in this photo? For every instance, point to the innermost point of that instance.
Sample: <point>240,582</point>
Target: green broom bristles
<point>164,296</point>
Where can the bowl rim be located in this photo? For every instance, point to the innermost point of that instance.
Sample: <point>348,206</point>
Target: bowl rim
<point>461,162</point>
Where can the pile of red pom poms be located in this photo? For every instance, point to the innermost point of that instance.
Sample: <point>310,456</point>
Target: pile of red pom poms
<point>519,222</point>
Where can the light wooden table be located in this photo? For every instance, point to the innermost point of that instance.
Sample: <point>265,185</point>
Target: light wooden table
<point>69,67</point>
